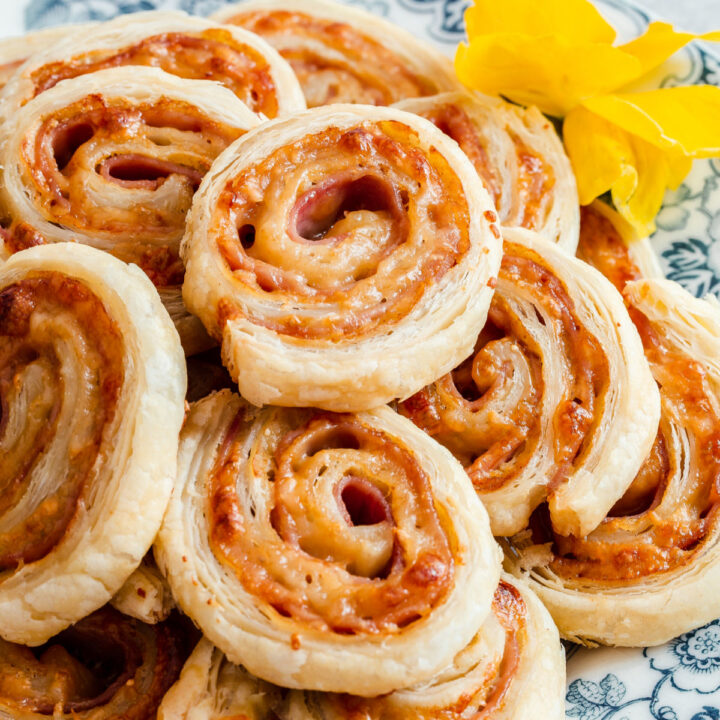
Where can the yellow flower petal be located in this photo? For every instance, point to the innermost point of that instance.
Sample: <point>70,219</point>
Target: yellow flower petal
<point>607,158</point>
<point>654,176</point>
<point>600,154</point>
<point>550,72</point>
<point>556,53</point>
<point>687,117</point>
<point>659,42</point>
<point>575,20</point>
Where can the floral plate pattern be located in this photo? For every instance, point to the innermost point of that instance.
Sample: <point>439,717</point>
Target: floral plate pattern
<point>677,681</point>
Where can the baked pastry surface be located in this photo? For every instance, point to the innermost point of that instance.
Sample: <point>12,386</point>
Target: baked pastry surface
<point>512,669</point>
<point>650,570</point>
<point>557,404</point>
<point>112,159</point>
<point>92,381</point>
<point>344,257</point>
<point>326,551</point>
<point>106,667</point>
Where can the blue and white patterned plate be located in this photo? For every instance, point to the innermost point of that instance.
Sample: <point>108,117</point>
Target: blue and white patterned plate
<point>680,681</point>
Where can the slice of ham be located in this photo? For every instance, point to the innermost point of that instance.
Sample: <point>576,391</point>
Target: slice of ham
<point>143,172</point>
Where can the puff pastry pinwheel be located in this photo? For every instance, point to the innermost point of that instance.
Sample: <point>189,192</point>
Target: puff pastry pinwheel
<point>188,47</point>
<point>106,667</point>
<point>326,551</point>
<point>92,385</point>
<point>345,55</point>
<point>344,257</point>
<point>513,669</point>
<point>557,404</point>
<point>651,570</point>
<point>112,160</point>
<point>519,157</point>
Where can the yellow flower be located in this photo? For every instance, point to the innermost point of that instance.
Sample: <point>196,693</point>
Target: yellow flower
<point>560,56</point>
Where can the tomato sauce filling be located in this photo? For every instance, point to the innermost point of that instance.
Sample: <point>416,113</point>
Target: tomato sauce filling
<point>672,505</point>
<point>349,67</point>
<point>107,663</point>
<point>492,446</point>
<point>348,246</point>
<point>209,55</point>
<point>412,576</point>
<point>22,352</point>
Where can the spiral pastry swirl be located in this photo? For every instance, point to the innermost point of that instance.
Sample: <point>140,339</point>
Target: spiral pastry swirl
<point>107,667</point>
<point>188,47</point>
<point>511,668</point>
<point>519,157</point>
<point>343,257</point>
<point>91,400</point>
<point>651,570</point>
<point>112,160</point>
<point>345,55</point>
<point>557,404</point>
<point>325,551</point>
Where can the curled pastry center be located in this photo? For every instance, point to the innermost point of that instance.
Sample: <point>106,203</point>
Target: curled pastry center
<point>319,210</point>
<point>123,174</point>
<point>348,228</point>
<point>344,534</point>
<point>362,502</point>
<point>106,665</point>
<point>497,412</point>
<point>246,234</point>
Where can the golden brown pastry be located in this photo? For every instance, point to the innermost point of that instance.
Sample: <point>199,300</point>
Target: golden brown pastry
<point>519,157</point>
<point>651,570</point>
<point>556,404</point>
<point>344,257</point>
<point>325,551</point>
<point>189,47</point>
<point>106,667</point>
<point>92,385</point>
<point>112,160</point>
<point>342,54</point>
<point>513,669</point>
